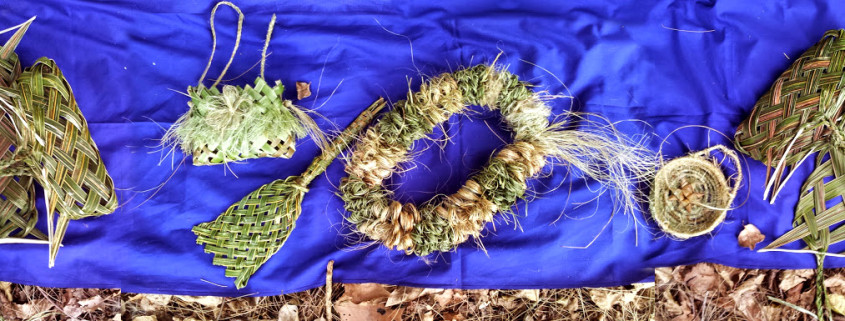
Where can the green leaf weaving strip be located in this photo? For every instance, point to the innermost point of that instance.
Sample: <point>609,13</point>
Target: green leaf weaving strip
<point>250,231</point>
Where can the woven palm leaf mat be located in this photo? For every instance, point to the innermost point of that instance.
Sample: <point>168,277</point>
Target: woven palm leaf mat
<point>51,144</point>
<point>801,115</point>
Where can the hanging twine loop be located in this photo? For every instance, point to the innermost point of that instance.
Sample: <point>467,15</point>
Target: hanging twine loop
<point>690,195</point>
<point>237,42</point>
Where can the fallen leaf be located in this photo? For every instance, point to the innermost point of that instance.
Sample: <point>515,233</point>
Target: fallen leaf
<point>662,276</point>
<point>745,297</point>
<point>29,310</point>
<point>750,236</point>
<point>289,312</point>
<point>444,298</point>
<point>727,276</point>
<point>792,278</point>
<point>507,302</point>
<point>680,310</point>
<point>530,295</point>
<point>206,301</point>
<point>837,302</point>
<point>680,272</point>
<point>403,294</point>
<point>604,299</point>
<point>835,283</point>
<point>77,293</point>
<point>145,318</point>
<point>361,292</point>
<point>6,310</point>
<point>428,316</point>
<point>7,288</point>
<point>702,278</point>
<point>431,291</point>
<point>368,310</point>
<point>303,89</point>
<point>73,311</point>
<point>92,304</point>
<point>631,296</point>
<point>774,312</point>
<point>450,316</point>
<point>151,302</point>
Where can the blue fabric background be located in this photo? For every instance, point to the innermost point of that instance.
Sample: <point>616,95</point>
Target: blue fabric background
<point>126,60</point>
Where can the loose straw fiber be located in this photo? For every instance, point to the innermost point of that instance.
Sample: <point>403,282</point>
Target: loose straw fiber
<point>691,195</point>
<point>256,227</point>
<point>236,123</point>
<point>53,145</point>
<point>444,222</point>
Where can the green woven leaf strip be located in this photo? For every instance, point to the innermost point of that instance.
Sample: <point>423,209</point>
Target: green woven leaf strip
<point>250,231</point>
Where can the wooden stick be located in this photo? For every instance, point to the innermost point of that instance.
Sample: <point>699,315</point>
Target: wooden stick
<point>329,271</point>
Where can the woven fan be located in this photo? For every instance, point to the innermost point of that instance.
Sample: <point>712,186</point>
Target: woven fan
<point>18,214</point>
<point>800,115</point>
<point>53,145</point>
<point>236,123</point>
<point>256,227</point>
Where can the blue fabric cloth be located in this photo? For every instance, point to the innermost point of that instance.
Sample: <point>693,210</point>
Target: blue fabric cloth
<point>127,61</point>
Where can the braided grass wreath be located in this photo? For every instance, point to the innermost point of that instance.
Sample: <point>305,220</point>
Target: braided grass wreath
<point>444,222</point>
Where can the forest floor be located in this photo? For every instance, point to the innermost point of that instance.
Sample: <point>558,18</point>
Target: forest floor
<point>685,293</point>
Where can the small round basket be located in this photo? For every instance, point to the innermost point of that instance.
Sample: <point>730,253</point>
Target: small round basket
<point>691,195</point>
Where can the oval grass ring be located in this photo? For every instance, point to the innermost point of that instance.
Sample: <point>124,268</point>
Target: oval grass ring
<point>448,220</point>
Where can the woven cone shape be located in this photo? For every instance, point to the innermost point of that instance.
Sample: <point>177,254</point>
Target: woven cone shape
<point>18,214</point>
<point>52,144</point>
<point>254,122</point>
<point>256,227</point>
<point>67,162</point>
<point>62,155</point>
<point>802,114</point>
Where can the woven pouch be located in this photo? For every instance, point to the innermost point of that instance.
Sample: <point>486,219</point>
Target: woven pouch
<point>262,96</point>
<point>233,123</point>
